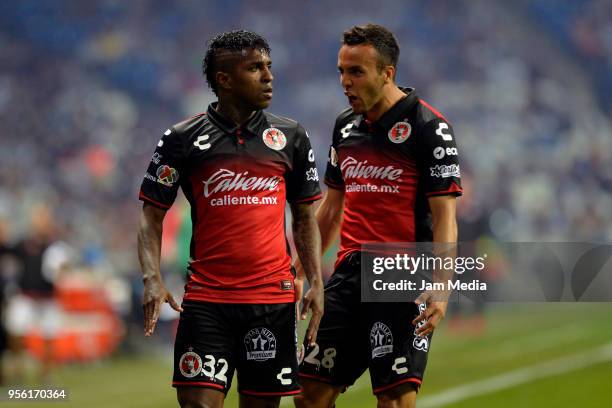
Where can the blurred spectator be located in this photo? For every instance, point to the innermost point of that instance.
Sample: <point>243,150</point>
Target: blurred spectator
<point>41,257</point>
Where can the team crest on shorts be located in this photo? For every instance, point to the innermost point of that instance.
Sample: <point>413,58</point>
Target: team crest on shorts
<point>274,138</point>
<point>166,175</point>
<point>381,340</point>
<point>400,132</point>
<point>420,343</point>
<point>190,364</point>
<point>260,344</point>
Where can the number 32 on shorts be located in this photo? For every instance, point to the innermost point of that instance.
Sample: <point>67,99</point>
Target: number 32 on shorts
<point>328,357</point>
<point>208,368</point>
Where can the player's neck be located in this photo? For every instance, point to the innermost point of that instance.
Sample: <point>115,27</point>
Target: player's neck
<point>234,112</point>
<point>391,96</point>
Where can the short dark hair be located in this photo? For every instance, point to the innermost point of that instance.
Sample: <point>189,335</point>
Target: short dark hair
<point>383,41</point>
<point>232,41</point>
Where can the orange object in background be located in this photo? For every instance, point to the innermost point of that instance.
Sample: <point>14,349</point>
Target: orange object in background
<point>90,329</point>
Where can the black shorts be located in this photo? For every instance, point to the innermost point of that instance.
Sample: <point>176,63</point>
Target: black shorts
<point>354,336</point>
<point>259,341</point>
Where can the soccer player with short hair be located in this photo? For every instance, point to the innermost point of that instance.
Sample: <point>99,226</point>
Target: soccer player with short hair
<point>393,176</point>
<point>237,165</point>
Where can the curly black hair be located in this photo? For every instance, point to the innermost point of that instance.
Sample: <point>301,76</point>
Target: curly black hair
<point>383,41</point>
<point>232,41</point>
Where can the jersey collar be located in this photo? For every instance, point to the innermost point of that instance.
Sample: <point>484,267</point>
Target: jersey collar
<point>395,114</point>
<point>253,125</point>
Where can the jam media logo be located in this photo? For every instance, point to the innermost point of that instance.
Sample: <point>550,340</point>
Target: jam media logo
<point>381,340</point>
<point>225,180</point>
<point>354,169</point>
<point>274,139</point>
<point>166,175</point>
<point>445,171</point>
<point>190,364</point>
<point>400,132</point>
<point>420,343</point>
<point>260,344</point>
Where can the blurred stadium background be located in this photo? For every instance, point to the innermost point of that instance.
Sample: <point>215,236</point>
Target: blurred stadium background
<point>87,89</point>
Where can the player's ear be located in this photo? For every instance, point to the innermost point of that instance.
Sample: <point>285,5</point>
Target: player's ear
<point>389,72</point>
<point>223,80</point>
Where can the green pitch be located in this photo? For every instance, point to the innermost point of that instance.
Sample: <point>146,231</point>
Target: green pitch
<point>537,355</point>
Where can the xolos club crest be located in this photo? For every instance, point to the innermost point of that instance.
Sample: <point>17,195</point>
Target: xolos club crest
<point>190,364</point>
<point>274,138</point>
<point>400,132</point>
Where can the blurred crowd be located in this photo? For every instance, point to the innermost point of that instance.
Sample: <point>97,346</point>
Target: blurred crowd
<point>87,89</point>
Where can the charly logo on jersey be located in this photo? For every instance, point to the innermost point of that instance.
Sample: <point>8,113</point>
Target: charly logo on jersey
<point>260,344</point>
<point>439,152</point>
<point>346,130</point>
<point>274,138</point>
<point>312,174</point>
<point>381,340</point>
<point>225,180</point>
<point>190,364</point>
<point>201,142</point>
<point>440,131</point>
<point>400,132</point>
<point>166,175</point>
<point>352,168</point>
<point>420,343</point>
<point>445,171</point>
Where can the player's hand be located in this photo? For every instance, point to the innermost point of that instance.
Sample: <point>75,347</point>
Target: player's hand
<point>313,300</point>
<point>432,315</point>
<point>155,293</point>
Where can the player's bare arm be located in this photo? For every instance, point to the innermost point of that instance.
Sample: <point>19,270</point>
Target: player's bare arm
<point>443,212</point>
<point>308,244</point>
<point>149,252</point>
<point>329,219</point>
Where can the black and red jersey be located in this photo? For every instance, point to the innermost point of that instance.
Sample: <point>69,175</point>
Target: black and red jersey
<point>388,169</point>
<point>237,180</point>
